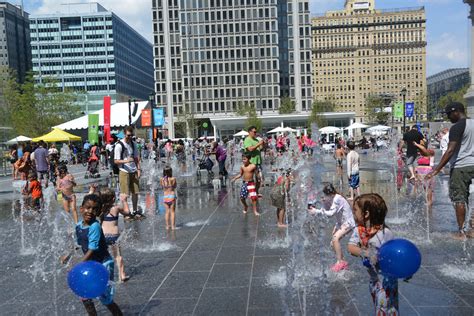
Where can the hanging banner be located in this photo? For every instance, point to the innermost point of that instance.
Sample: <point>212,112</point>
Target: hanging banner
<point>409,109</point>
<point>93,130</point>
<point>398,110</point>
<point>107,105</point>
<point>159,117</point>
<point>146,118</point>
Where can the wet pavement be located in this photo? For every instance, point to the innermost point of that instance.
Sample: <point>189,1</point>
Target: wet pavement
<point>221,262</point>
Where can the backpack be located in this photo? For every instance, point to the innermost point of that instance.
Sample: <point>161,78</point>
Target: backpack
<point>114,166</point>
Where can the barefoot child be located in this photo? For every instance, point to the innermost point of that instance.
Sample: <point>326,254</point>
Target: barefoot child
<point>353,169</point>
<point>370,234</point>
<point>278,197</point>
<point>92,241</point>
<point>109,219</point>
<point>336,204</point>
<point>248,172</point>
<point>66,186</point>
<point>33,191</point>
<point>168,183</point>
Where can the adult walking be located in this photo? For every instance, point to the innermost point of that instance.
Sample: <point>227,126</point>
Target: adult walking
<point>253,147</point>
<point>460,155</point>
<point>126,157</point>
<point>41,159</point>
<point>413,135</point>
<point>221,156</point>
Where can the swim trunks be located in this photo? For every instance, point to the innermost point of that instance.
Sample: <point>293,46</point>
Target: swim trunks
<point>248,189</point>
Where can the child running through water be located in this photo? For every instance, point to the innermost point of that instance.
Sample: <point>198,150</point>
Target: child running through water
<point>109,219</point>
<point>92,241</point>
<point>247,173</point>
<point>278,197</point>
<point>33,191</point>
<point>336,204</point>
<point>370,234</point>
<point>65,186</point>
<point>168,183</point>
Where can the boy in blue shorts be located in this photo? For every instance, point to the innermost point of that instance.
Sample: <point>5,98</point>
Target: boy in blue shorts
<point>353,162</point>
<point>92,241</point>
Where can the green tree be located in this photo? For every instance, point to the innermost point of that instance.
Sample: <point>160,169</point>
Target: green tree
<point>421,106</point>
<point>454,96</point>
<point>33,108</point>
<point>317,110</point>
<point>287,106</point>
<point>375,105</point>
<point>249,110</point>
<point>186,123</point>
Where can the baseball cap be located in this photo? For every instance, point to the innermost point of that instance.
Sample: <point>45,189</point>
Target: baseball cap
<point>454,106</point>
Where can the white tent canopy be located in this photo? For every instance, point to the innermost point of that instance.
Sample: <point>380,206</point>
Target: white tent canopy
<point>18,139</point>
<point>242,133</point>
<point>281,129</point>
<point>378,128</point>
<point>356,126</point>
<point>330,130</point>
<point>118,117</point>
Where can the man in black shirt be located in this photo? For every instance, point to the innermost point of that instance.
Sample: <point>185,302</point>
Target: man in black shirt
<point>409,137</point>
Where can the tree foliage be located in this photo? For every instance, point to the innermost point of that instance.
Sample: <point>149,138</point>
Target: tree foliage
<point>454,96</point>
<point>317,110</point>
<point>375,105</point>
<point>186,123</point>
<point>287,106</point>
<point>249,110</point>
<point>32,109</point>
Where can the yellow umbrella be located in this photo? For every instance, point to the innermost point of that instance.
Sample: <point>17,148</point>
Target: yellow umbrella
<point>57,135</point>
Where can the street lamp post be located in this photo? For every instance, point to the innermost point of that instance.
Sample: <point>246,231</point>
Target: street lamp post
<point>129,112</point>
<point>151,98</point>
<point>404,94</point>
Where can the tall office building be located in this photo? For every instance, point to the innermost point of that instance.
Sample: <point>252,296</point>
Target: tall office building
<point>212,55</point>
<point>15,50</point>
<point>91,49</point>
<point>362,51</point>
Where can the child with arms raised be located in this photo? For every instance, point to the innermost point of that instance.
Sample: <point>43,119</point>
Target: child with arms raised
<point>335,204</point>
<point>370,234</point>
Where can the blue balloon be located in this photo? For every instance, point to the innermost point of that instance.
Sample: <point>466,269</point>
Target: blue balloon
<point>399,258</point>
<point>88,279</point>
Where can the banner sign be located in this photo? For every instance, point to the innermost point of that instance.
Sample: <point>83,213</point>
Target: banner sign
<point>409,109</point>
<point>398,110</point>
<point>93,130</point>
<point>146,118</point>
<point>159,116</point>
<point>107,105</point>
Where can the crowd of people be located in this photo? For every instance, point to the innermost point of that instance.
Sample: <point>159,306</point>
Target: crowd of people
<point>360,216</point>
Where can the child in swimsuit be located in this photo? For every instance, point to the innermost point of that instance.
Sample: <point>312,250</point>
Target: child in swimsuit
<point>109,219</point>
<point>65,186</point>
<point>336,204</point>
<point>248,189</point>
<point>168,183</point>
<point>33,191</point>
<point>370,234</point>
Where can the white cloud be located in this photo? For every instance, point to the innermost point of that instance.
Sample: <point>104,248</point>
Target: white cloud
<point>136,13</point>
<point>447,51</point>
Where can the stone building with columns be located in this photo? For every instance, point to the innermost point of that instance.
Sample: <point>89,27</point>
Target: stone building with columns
<point>361,51</point>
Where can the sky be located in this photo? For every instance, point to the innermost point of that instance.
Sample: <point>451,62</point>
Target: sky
<point>448,26</point>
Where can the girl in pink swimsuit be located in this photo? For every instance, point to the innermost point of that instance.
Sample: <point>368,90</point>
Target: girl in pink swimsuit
<point>65,186</point>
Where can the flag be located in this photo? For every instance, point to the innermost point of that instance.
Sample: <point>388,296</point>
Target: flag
<point>398,110</point>
<point>159,117</point>
<point>409,109</point>
<point>107,104</point>
<point>146,118</point>
<point>93,130</point>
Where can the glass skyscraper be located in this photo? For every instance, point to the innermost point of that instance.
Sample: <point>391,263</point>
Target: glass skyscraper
<point>15,50</point>
<point>213,55</point>
<point>88,48</point>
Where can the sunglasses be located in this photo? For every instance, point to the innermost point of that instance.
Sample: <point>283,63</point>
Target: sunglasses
<point>129,135</point>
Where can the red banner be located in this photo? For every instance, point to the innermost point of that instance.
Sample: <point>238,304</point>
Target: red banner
<point>107,105</point>
<point>146,118</point>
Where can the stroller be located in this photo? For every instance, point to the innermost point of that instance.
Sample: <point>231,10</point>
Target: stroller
<point>205,163</point>
<point>92,169</point>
